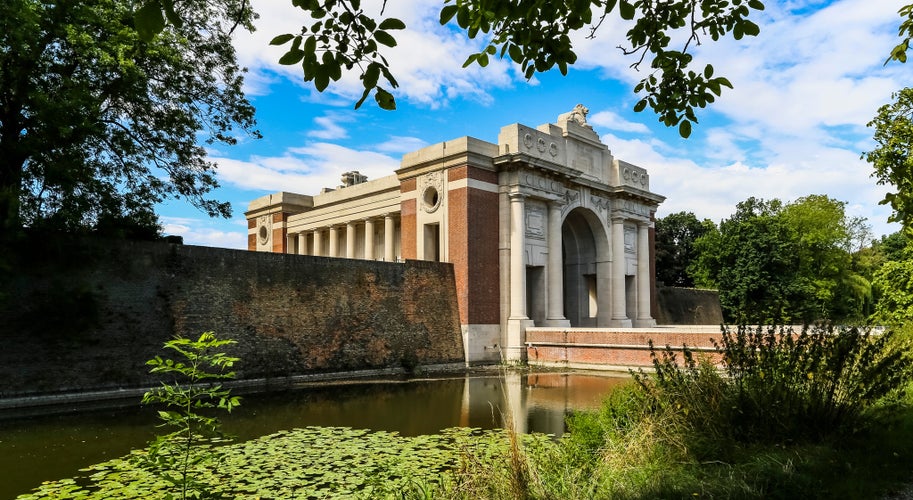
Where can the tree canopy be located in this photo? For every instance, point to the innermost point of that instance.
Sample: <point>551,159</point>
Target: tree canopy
<point>536,34</point>
<point>675,237</point>
<point>98,124</point>
<point>775,262</point>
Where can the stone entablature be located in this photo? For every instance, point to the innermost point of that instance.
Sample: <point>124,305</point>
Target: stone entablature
<point>544,228</point>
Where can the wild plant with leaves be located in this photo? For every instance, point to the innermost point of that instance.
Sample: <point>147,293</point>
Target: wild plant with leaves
<point>778,385</point>
<point>194,390</point>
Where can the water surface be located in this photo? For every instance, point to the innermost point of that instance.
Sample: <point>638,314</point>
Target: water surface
<point>37,449</point>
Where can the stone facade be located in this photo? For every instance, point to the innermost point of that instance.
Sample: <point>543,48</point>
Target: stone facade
<point>544,228</point>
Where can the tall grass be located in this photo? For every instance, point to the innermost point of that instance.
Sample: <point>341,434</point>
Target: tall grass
<point>784,415</point>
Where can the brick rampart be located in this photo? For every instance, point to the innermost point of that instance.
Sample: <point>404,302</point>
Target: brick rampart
<point>86,315</point>
<point>614,348</point>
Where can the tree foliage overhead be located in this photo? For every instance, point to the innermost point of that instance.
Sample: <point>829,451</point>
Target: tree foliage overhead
<point>98,124</point>
<point>535,34</point>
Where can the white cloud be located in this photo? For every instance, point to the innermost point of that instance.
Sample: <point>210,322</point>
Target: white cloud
<point>612,121</point>
<point>304,169</point>
<point>427,61</point>
<point>401,145</point>
<point>202,232</point>
<point>330,126</point>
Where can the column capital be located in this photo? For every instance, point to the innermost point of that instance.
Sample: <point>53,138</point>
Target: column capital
<point>617,219</point>
<point>517,196</point>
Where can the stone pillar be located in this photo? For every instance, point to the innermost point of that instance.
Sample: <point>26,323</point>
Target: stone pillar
<point>290,240</point>
<point>644,319</point>
<point>350,240</point>
<point>517,256</point>
<point>369,239</point>
<point>302,243</point>
<point>619,315</point>
<point>334,242</point>
<point>389,241</point>
<point>517,322</point>
<point>318,242</point>
<point>554,280</point>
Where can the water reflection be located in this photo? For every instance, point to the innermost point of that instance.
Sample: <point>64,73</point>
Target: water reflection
<point>37,449</point>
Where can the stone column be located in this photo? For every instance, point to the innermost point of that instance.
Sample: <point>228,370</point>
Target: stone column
<point>318,242</point>
<point>517,256</point>
<point>350,240</point>
<point>643,277</point>
<point>302,243</point>
<point>619,315</point>
<point>555,277</point>
<point>517,322</point>
<point>369,239</point>
<point>389,241</point>
<point>334,242</point>
<point>290,240</point>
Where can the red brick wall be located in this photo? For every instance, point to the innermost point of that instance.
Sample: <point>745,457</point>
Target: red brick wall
<point>473,247</point>
<point>279,234</point>
<point>290,314</point>
<point>607,347</point>
<point>407,222</point>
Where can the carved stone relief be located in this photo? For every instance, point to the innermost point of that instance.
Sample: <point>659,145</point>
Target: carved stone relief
<point>535,222</point>
<point>432,191</point>
<point>602,205</point>
<point>539,145</point>
<point>264,230</point>
<point>568,200</point>
<point>630,239</point>
<point>634,176</point>
<point>537,182</point>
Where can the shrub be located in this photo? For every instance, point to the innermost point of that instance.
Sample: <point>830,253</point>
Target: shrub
<point>780,386</point>
<point>173,456</point>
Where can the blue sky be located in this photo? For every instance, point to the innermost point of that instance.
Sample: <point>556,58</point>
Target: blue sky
<point>794,125</point>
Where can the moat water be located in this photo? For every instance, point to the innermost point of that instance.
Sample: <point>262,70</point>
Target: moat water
<point>37,449</point>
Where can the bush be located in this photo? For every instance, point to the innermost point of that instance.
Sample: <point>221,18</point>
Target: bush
<point>779,386</point>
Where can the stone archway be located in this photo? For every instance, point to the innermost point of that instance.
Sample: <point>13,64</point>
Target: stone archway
<point>585,251</point>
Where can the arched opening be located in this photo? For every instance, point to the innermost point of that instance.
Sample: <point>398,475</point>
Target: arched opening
<point>585,263</point>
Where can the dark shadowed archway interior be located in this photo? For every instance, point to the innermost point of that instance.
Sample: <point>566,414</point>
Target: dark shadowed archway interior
<point>579,257</point>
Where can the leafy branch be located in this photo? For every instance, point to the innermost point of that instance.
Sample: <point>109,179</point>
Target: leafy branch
<point>201,365</point>
<point>342,36</point>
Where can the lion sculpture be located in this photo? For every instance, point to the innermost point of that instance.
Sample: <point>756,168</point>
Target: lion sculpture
<point>577,115</point>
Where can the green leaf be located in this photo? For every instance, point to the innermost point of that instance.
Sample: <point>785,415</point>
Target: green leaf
<point>171,14</point>
<point>372,73</point>
<point>515,53</point>
<point>640,106</point>
<point>149,20</point>
<point>291,57</point>
<point>756,4</point>
<point>392,24</point>
<point>281,39</point>
<point>750,28</point>
<point>385,38</point>
<point>627,10</point>
<point>471,59</point>
<point>385,99</point>
<point>684,129</point>
<point>447,13</point>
